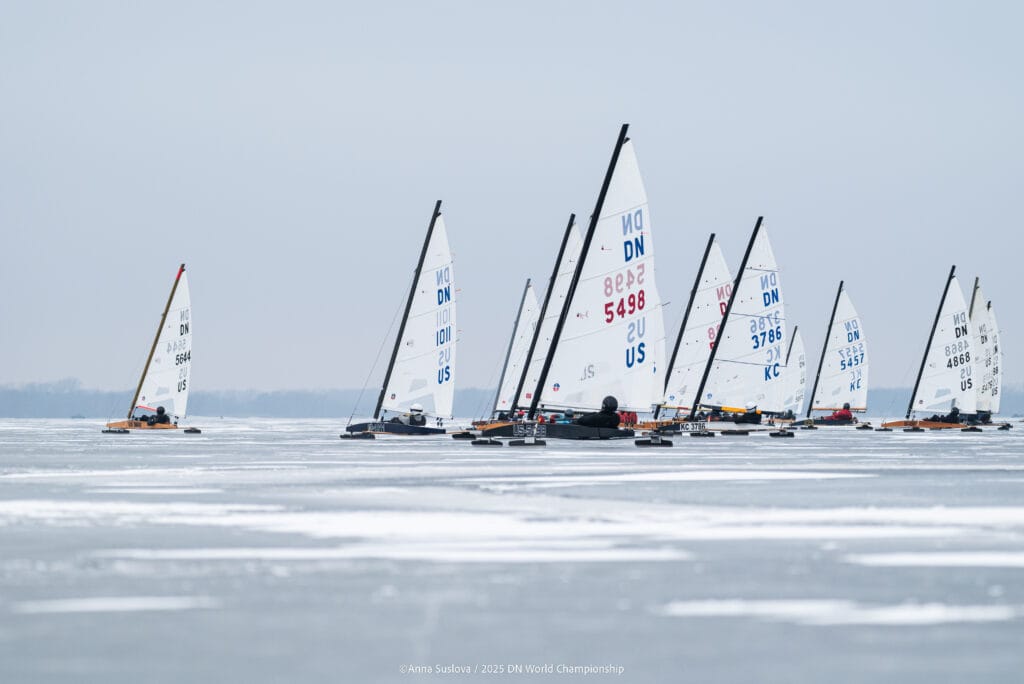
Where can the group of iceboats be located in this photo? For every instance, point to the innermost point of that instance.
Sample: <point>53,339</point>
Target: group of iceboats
<point>590,358</point>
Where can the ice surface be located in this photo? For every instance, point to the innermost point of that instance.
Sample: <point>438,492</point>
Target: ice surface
<point>268,550</point>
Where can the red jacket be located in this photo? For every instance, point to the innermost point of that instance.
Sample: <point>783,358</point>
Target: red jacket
<point>841,414</point>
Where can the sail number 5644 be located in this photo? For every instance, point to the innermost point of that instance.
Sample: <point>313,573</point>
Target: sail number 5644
<point>624,307</point>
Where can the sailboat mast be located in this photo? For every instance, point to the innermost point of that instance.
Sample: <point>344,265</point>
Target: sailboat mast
<point>408,306</point>
<point>686,317</point>
<point>931,335</point>
<point>792,338</point>
<point>725,317</point>
<point>152,350</point>
<point>511,342</point>
<point>544,309</point>
<point>824,347</point>
<point>588,238</point>
<point>974,295</point>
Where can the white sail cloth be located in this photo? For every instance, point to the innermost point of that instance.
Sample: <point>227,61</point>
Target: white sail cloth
<point>748,368</point>
<point>167,378</point>
<point>988,357</point>
<point>526,324</point>
<point>706,312</point>
<point>556,302</point>
<point>843,376</point>
<point>948,379</point>
<point>613,340</point>
<point>795,374</point>
<point>424,368</point>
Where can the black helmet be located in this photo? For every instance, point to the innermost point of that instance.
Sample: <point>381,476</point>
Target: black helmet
<point>954,410</point>
<point>609,403</point>
<point>846,406</point>
<point>160,410</point>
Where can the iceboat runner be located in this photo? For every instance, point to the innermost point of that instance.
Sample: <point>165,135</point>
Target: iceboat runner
<point>161,397</point>
<point>419,385</point>
<point>607,349</point>
<point>945,385</point>
<point>841,383</point>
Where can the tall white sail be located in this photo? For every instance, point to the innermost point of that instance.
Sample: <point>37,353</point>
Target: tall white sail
<point>843,376</point>
<point>750,359</point>
<point>997,361</point>
<point>556,302</point>
<point>987,359</point>
<point>522,335</point>
<point>613,339</point>
<point>706,311</point>
<point>424,368</point>
<point>947,377</point>
<point>795,374</point>
<point>167,377</point>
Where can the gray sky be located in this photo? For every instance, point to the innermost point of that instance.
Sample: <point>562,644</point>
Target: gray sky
<point>291,153</point>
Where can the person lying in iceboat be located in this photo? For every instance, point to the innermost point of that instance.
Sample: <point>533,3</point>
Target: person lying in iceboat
<point>952,417</point>
<point>607,417</point>
<point>840,414</point>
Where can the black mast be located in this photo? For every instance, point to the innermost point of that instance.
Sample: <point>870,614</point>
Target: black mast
<point>152,350</point>
<point>579,267</point>
<point>511,342</point>
<point>544,309</point>
<point>924,359</point>
<point>974,295</point>
<point>408,305</point>
<point>725,317</point>
<point>686,317</point>
<point>824,346</point>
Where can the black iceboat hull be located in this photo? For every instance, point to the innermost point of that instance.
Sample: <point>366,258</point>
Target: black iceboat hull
<point>556,431</point>
<point>387,428</point>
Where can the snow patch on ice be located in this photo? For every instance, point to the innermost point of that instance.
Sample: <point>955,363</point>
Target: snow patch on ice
<point>114,604</point>
<point>841,612</point>
<point>946,559</point>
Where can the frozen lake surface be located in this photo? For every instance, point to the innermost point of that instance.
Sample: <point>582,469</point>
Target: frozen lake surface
<point>267,550</point>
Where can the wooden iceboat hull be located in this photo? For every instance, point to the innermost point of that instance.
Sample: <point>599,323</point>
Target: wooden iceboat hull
<point>924,424</point>
<point>388,428</point>
<point>554,431</point>
<point>139,425</point>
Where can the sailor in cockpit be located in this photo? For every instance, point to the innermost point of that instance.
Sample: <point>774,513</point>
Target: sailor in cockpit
<point>413,417</point>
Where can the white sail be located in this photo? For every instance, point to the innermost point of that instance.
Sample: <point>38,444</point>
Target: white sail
<point>526,323</point>
<point>843,376</point>
<point>613,340</point>
<point>556,301</point>
<point>947,379</point>
<point>795,374</point>
<point>424,368</point>
<point>706,311</point>
<point>750,360</point>
<point>997,361</point>
<point>167,378</point>
<point>987,357</point>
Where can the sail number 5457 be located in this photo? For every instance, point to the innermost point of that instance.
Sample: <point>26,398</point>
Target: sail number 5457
<point>626,306</point>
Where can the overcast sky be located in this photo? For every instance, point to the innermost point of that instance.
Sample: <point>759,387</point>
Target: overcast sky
<point>290,153</point>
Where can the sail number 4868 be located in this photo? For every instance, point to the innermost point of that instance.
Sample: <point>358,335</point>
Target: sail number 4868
<point>625,306</point>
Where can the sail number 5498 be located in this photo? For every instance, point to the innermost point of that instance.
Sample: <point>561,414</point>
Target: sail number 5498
<point>624,307</point>
<point>624,280</point>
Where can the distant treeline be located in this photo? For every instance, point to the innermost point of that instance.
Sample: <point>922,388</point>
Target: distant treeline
<point>66,399</point>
